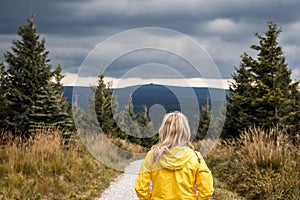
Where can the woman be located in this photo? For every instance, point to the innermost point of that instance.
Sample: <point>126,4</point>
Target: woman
<point>172,169</point>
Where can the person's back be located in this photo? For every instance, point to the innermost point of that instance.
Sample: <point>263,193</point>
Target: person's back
<point>176,172</point>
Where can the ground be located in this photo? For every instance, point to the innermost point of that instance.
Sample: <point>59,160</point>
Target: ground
<point>123,186</point>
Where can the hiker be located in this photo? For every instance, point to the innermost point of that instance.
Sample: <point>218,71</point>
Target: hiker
<point>172,169</point>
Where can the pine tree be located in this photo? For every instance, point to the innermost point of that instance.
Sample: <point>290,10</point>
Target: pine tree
<point>129,124</point>
<point>105,106</point>
<point>51,109</point>
<point>3,101</point>
<point>148,136</point>
<point>31,85</point>
<point>262,91</point>
<point>61,111</point>
<point>294,116</point>
<point>204,122</point>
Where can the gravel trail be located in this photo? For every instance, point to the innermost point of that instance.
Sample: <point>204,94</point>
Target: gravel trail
<point>122,187</point>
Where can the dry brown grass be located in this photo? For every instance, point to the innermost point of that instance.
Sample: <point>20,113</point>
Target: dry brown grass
<point>124,144</point>
<point>113,152</point>
<point>262,164</point>
<point>45,168</point>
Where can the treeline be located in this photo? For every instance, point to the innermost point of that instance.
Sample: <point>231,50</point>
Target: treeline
<point>104,117</point>
<point>31,98</point>
<point>262,94</point>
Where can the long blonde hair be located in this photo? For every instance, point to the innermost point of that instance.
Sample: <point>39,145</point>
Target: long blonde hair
<point>174,131</point>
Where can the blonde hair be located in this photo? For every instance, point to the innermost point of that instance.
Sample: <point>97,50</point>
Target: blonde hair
<point>174,131</point>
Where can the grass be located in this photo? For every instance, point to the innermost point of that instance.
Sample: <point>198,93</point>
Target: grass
<point>221,190</point>
<point>113,152</point>
<point>262,164</point>
<point>45,168</point>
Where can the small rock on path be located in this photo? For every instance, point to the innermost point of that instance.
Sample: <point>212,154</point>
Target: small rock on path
<point>123,186</point>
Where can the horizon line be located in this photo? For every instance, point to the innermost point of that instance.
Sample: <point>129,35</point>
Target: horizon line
<point>75,80</point>
<point>150,84</point>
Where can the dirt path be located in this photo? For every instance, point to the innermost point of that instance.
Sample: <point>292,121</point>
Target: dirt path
<point>122,187</point>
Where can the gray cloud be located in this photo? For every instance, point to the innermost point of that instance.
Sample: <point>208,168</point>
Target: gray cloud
<point>225,28</point>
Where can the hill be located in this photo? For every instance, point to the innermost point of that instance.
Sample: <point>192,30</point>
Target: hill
<point>171,98</point>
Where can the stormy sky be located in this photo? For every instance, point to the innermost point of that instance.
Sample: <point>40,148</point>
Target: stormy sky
<point>114,36</point>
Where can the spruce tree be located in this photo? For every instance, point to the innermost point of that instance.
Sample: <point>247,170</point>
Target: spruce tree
<point>262,93</point>
<point>204,122</point>
<point>31,85</point>
<point>148,136</point>
<point>105,106</point>
<point>51,109</point>
<point>293,119</point>
<point>3,101</point>
<point>129,123</point>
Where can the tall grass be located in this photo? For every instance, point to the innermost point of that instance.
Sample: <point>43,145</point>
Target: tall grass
<point>113,152</point>
<point>44,167</point>
<point>261,164</point>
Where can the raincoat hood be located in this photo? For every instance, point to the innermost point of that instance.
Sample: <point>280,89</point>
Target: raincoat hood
<point>176,158</point>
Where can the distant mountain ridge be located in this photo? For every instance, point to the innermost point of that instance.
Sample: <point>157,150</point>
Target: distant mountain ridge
<point>170,97</point>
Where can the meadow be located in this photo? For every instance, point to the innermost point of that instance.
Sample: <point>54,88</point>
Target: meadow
<point>45,167</point>
<point>261,164</point>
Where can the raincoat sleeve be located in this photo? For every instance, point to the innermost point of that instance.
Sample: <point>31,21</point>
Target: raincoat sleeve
<point>204,181</point>
<point>142,185</point>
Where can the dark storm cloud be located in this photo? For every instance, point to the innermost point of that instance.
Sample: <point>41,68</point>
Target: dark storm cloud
<point>137,59</point>
<point>89,16</point>
<point>225,28</point>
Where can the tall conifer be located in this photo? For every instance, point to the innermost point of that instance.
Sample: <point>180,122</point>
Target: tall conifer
<point>130,123</point>
<point>262,93</point>
<point>30,84</point>
<point>204,122</point>
<point>148,136</point>
<point>105,106</point>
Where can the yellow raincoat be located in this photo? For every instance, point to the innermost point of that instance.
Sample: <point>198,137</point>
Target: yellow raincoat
<point>180,174</point>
